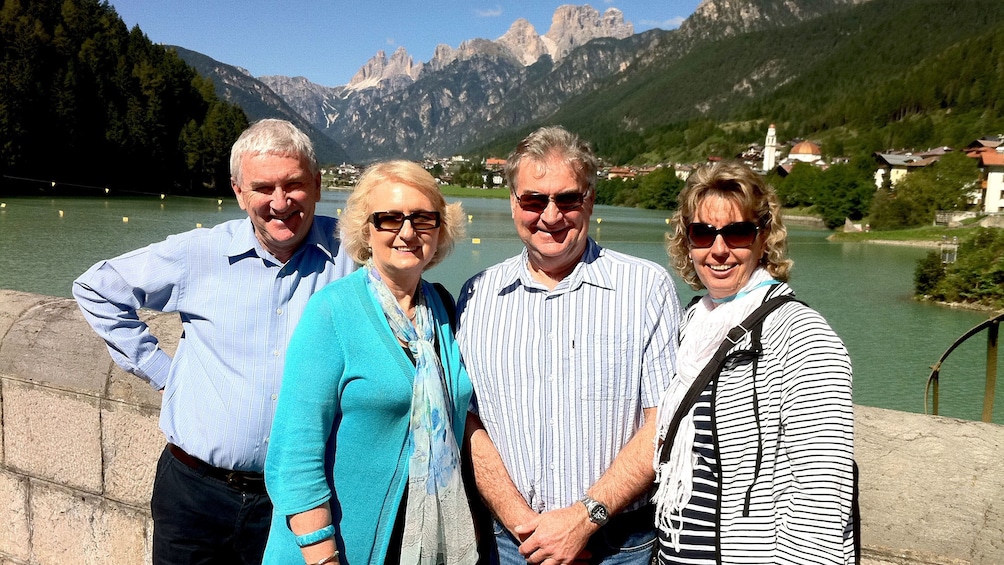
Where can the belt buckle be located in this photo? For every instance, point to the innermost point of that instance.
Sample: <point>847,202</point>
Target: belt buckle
<point>235,480</point>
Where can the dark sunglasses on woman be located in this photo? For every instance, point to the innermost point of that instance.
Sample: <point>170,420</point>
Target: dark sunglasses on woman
<point>393,221</point>
<point>736,234</point>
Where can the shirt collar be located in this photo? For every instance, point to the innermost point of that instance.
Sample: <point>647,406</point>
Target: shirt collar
<point>245,244</point>
<point>586,271</point>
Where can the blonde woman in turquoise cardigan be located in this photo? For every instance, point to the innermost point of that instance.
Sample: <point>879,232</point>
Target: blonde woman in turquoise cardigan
<point>363,463</point>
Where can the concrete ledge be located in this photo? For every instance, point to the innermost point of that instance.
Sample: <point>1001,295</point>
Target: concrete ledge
<point>80,442</point>
<point>931,487</point>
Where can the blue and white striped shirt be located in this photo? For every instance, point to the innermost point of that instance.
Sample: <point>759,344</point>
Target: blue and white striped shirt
<point>238,307</point>
<point>561,377</point>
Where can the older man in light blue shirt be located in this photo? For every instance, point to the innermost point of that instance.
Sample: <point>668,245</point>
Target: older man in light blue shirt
<point>239,289</point>
<point>569,347</point>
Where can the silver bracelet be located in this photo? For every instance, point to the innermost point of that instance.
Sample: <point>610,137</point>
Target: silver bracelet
<point>329,559</point>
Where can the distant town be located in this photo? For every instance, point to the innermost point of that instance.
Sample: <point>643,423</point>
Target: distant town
<point>986,196</point>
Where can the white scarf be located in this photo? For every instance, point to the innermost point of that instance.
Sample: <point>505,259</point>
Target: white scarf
<point>706,330</point>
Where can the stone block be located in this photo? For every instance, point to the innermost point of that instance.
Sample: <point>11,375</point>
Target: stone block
<point>930,486</point>
<point>14,304</point>
<point>131,443</point>
<point>52,434</point>
<point>75,528</point>
<point>51,343</point>
<point>15,534</point>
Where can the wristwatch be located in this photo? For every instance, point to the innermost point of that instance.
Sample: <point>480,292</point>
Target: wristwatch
<point>598,513</point>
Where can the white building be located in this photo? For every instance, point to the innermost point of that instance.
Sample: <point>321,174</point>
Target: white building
<point>770,149</point>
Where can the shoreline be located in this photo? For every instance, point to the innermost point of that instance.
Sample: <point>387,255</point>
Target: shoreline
<point>904,243</point>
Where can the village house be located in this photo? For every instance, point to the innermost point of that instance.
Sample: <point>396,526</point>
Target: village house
<point>895,165</point>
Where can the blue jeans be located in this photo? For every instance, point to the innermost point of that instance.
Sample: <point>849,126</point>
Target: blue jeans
<point>199,520</point>
<point>627,539</point>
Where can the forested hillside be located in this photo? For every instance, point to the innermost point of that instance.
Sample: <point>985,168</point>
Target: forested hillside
<point>86,103</point>
<point>884,74</point>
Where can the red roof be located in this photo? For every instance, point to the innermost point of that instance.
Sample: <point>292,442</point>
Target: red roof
<point>992,158</point>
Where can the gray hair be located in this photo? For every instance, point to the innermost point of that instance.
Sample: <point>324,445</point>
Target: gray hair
<point>558,142</point>
<point>272,137</point>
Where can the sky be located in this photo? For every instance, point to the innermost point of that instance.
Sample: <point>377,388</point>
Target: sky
<point>327,41</point>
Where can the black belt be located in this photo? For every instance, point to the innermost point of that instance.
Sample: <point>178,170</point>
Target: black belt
<point>243,481</point>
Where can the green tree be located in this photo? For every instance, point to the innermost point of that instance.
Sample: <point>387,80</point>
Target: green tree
<point>843,192</point>
<point>658,190</point>
<point>800,186</point>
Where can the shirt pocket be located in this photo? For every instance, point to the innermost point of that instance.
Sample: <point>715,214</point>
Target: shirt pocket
<point>602,367</point>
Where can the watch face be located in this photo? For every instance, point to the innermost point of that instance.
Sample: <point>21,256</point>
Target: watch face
<point>600,512</point>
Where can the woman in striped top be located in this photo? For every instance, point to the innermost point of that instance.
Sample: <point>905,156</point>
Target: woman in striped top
<point>760,468</point>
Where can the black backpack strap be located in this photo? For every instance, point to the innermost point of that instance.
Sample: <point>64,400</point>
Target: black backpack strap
<point>448,303</point>
<point>856,517</point>
<point>714,366</point>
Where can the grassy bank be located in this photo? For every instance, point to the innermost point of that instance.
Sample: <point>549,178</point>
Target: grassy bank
<point>461,192</point>
<point>926,234</point>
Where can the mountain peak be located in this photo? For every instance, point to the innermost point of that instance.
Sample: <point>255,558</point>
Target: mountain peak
<point>572,26</point>
<point>379,69</point>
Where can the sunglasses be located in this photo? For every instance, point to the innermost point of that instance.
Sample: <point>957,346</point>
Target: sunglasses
<point>393,221</point>
<point>565,201</point>
<point>735,235</point>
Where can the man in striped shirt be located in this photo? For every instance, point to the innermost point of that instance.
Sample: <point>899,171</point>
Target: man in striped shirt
<point>239,289</point>
<point>569,347</point>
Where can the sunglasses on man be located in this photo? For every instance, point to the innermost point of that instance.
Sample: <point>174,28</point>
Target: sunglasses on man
<point>536,202</point>
<point>735,235</point>
<point>394,221</point>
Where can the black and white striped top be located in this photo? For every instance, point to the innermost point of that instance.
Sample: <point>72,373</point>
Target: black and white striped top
<point>697,541</point>
<point>784,439</point>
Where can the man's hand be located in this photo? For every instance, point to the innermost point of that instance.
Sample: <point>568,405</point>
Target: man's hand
<point>557,537</point>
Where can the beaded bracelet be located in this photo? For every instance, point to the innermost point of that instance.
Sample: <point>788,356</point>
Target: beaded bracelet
<point>315,536</point>
<point>329,559</point>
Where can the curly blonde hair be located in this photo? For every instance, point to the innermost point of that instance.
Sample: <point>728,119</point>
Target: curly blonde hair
<point>354,222</point>
<point>756,199</point>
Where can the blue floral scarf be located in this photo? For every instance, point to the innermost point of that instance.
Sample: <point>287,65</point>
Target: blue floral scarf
<point>438,526</point>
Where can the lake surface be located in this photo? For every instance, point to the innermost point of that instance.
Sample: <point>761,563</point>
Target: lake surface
<point>864,290</point>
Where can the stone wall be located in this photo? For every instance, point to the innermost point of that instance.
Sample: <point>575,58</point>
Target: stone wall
<point>80,440</point>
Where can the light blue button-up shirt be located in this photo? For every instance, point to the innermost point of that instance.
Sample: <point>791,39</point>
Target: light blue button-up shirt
<point>238,306</point>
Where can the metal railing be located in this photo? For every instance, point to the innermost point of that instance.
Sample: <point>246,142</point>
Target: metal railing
<point>931,390</point>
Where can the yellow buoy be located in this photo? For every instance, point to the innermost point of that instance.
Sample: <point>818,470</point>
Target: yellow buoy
<point>107,191</point>
<point>338,212</point>
<point>476,241</point>
<point>198,225</point>
<point>60,213</point>
<point>125,219</point>
<point>667,221</point>
<point>3,204</point>
<point>161,196</point>
<point>599,220</point>
<point>470,218</point>
<point>219,202</point>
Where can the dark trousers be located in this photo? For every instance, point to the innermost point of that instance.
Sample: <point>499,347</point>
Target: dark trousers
<point>198,519</point>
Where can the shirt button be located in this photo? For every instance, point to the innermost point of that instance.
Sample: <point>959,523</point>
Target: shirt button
<point>274,396</point>
<point>278,311</point>
<point>275,353</point>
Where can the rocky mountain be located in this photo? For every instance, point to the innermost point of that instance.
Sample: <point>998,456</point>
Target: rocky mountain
<point>484,89</point>
<point>259,100</point>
